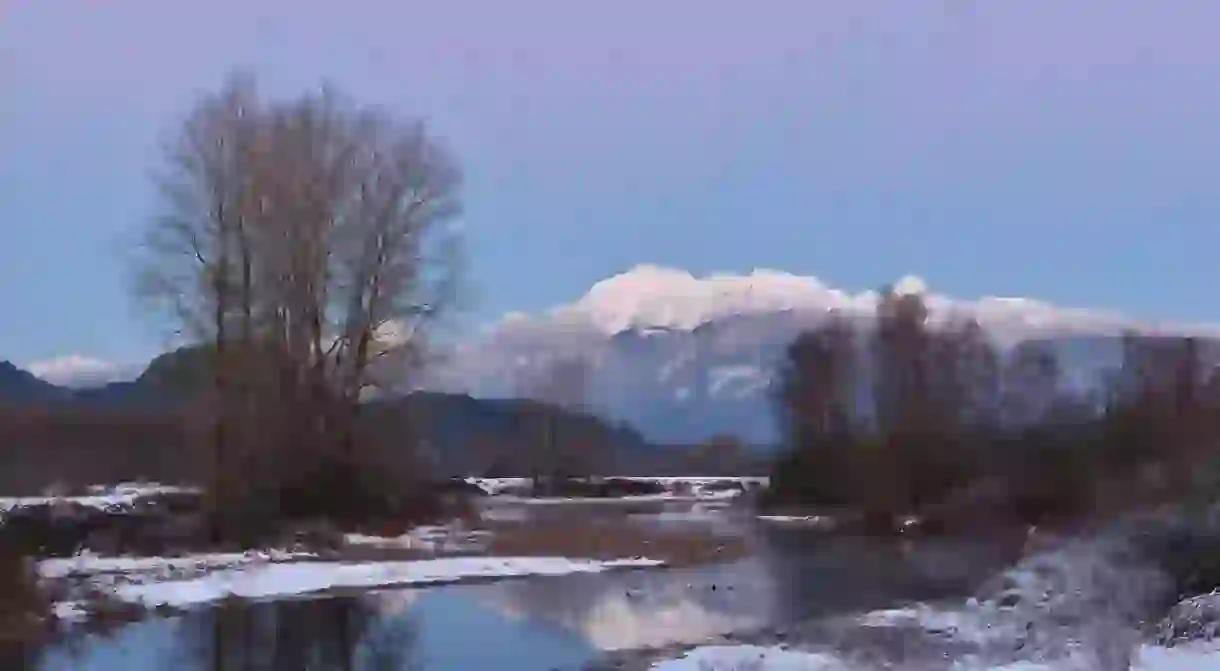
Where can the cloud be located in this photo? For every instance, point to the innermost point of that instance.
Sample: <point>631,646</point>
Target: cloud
<point>650,296</point>
<point>77,370</point>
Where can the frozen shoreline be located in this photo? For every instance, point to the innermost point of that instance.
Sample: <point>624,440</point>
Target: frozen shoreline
<point>156,581</point>
<point>763,658</point>
<point>101,497</point>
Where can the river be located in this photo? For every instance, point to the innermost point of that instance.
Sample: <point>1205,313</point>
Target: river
<point>792,574</point>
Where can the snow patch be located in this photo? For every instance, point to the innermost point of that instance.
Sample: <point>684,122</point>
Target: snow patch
<point>426,538</point>
<point>758,658</point>
<point>274,580</point>
<point>101,497</point>
<point>811,520</point>
<point>753,658</point>
<point>1200,657</point>
<point>88,564</point>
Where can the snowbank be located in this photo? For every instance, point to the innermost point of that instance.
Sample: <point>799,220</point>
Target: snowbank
<point>101,497</point>
<point>1201,657</point>
<point>677,487</point>
<point>88,564</point>
<point>810,520</point>
<point>297,578</point>
<point>592,500</point>
<point>754,658</point>
<point>758,658</point>
<point>494,486</point>
<point>202,579</point>
<point>427,539</point>
<point>1075,607</point>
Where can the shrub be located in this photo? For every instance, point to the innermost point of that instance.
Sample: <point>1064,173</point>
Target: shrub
<point>25,613</point>
<point>899,419</point>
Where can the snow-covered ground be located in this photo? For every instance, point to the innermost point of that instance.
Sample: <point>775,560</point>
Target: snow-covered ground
<point>154,582</point>
<point>760,658</point>
<point>636,498</point>
<point>676,487</point>
<point>820,521</point>
<point>494,486</point>
<point>426,539</point>
<point>1077,606</point>
<point>101,497</point>
<point>760,481</point>
<point>750,658</point>
<point>119,496</point>
<point>88,565</point>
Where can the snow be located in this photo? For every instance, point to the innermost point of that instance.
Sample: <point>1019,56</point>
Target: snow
<point>274,580</point>
<point>495,486</point>
<point>1200,657</point>
<point>101,497</point>
<point>679,488</point>
<point>425,538</point>
<point>99,502</point>
<point>759,658</point>
<point>698,513</point>
<point>206,578</point>
<point>693,479</point>
<point>1071,606</point>
<point>505,486</point>
<point>141,489</point>
<point>650,297</point>
<point>70,611</point>
<point>88,564</point>
<point>753,658</point>
<point>636,498</point>
<point>814,520</point>
<point>563,500</point>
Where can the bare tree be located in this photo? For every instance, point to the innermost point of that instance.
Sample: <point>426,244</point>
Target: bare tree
<point>815,398</point>
<point>817,384</point>
<point>1031,382</point>
<point>310,243</point>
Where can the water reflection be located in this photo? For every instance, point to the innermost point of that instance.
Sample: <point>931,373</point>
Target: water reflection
<point>815,576</point>
<point>549,623</point>
<point>645,608</point>
<point>335,634</point>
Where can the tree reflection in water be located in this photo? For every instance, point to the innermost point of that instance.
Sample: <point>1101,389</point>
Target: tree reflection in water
<point>335,634</point>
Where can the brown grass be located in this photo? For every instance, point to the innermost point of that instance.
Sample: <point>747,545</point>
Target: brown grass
<point>24,610</point>
<point>612,540</point>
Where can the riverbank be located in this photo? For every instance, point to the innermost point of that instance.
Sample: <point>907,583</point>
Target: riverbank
<point>93,571</point>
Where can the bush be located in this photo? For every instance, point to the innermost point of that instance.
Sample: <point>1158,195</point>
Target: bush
<point>25,613</point>
<point>1186,550</point>
<point>899,420</point>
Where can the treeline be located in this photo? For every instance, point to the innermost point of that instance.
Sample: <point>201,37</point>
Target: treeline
<point>41,447</point>
<point>418,437</point>
<point>907,418</point>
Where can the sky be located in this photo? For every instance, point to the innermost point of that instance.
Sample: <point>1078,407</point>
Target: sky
<point>1068,151</point>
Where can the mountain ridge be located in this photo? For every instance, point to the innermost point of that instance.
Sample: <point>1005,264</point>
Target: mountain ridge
<point>684,357</point>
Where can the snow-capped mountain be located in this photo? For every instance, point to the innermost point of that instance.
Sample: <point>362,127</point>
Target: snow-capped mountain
<point>684,357</point>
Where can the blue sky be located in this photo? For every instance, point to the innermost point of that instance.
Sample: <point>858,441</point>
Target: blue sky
<point>1065,151</point>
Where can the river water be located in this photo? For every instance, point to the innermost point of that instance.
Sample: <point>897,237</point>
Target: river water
<point>792,574</point>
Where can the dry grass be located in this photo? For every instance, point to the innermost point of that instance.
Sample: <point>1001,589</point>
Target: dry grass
<point>24,610</point>
<point>105,613</point>
<point>612,540</point>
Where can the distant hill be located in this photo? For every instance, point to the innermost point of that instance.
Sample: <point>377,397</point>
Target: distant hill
<point>130,429</point>
<point>167,380</point>
<point>17,385</point>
